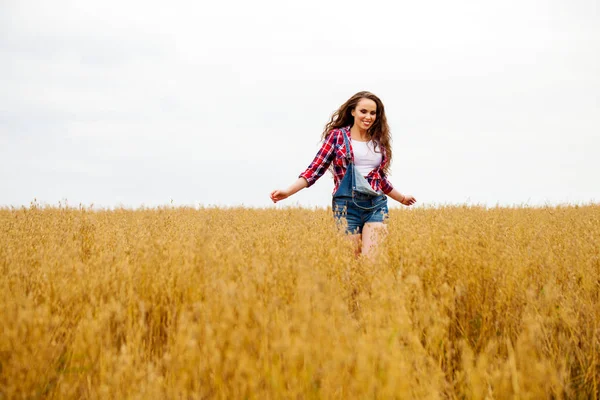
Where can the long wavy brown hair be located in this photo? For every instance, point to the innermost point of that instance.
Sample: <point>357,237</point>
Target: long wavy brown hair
<point>378,132</point>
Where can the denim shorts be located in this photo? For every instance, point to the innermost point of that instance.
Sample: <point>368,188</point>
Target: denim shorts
<point>353,214</point>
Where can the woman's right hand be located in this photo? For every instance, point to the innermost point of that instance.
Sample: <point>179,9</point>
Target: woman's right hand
<point>277,195</point>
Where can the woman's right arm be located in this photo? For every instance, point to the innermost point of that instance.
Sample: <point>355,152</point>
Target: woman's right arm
<point>277,195</point>
<point>315,170</point>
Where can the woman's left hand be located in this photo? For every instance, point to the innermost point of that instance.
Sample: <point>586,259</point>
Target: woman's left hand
<point>408,200</point>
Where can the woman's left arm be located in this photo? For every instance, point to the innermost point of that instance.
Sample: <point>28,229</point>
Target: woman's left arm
<point>388,189</point>
<point>407,200</point>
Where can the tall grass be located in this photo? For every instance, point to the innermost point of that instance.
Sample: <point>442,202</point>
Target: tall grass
<point>462,302</point>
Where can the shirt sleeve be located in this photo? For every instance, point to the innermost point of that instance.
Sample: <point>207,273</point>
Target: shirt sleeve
<point>386,185</point>
<point>319,165</point>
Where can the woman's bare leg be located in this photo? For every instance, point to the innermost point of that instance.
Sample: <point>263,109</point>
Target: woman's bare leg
<point>373,233</point>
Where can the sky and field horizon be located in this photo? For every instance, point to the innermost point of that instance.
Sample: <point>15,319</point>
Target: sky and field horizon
<point>130,104</point>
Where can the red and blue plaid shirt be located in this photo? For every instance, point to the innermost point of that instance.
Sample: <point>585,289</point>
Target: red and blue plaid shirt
<point>334,150</point>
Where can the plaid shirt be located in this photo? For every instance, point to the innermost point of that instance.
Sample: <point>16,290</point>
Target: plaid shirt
<point>334,150</point>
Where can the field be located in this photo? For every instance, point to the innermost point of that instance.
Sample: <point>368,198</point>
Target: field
<point>182,303</point>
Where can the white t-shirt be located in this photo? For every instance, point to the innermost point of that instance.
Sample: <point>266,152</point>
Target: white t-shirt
<point>366,158</point>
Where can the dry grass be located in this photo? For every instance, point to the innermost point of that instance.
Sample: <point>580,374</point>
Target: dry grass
<point>463,302</point>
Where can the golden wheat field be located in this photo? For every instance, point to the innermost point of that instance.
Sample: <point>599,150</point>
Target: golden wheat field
<point>183,303</point>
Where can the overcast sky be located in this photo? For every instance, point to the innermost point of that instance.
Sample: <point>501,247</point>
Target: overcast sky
<point>127,103</point>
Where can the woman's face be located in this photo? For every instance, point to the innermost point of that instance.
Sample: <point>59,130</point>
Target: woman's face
<point>365,113</point>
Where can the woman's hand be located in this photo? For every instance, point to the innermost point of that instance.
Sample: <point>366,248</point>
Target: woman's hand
<point>408,200</point>
<point>277,195</point>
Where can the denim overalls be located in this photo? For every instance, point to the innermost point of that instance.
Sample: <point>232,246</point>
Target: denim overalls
<point>355,202</point>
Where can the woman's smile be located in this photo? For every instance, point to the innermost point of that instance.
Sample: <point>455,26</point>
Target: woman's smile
<point>365,113</point>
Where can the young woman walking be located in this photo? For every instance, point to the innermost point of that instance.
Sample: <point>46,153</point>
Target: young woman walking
<point>357,142</point>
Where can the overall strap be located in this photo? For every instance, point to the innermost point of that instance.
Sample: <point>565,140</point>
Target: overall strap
<point>350,169</point>
<point>348,155</point>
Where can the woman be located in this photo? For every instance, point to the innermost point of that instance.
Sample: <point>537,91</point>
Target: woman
<point>357,141</point>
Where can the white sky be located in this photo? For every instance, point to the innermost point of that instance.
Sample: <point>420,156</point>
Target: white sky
<point>218,103</point>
